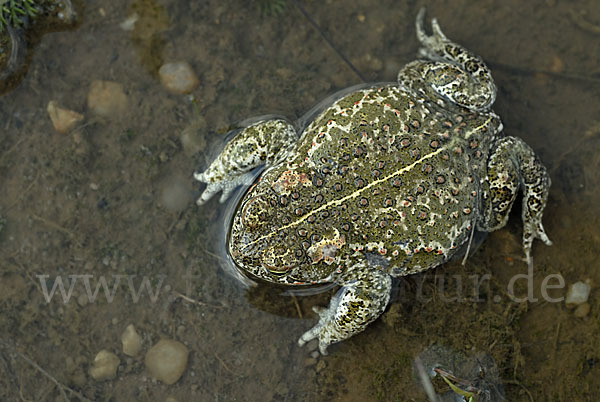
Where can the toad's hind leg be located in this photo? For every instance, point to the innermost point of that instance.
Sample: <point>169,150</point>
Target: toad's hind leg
<point>363,297</point>
<point>265,142</point>
<point>513,165</point>
<point>450,71</point>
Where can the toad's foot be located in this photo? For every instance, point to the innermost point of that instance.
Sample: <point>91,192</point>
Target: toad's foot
<point>433,46</point>
<point>363,297</point>
<point>265,142</point>
<point>514,165</point>
<point>450,71</point>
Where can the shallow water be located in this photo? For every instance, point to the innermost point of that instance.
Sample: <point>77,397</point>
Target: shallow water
<point>93,203</point>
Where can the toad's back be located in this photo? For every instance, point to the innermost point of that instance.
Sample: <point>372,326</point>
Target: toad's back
<point>380,176</point>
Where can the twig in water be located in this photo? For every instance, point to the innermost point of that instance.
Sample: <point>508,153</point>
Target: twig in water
<point>194,301</point>
<point>56,226</point>
<point>227,367</point>
<point>297,306</point>
<point>577,19</point>
<point>60,386</point>
<point>329,41</point>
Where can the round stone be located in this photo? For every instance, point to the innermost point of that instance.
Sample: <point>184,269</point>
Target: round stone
<point>63,120</point>
<point>166,361</point>
<point>132,341</point>
<point>578,293</point>
<point>178,77</point>
<point>105,366</point>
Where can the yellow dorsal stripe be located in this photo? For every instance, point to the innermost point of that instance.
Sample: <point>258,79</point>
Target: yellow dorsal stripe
<point>355,194</point>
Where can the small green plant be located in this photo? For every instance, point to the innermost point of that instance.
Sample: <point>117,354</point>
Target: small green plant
<point>468,392</point>
<point>271,7</point>
<point>15,12</point>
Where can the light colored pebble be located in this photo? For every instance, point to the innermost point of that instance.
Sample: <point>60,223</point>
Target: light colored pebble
<point>582,310</point>
<point>129,23</point>
<point>166,361</point>
<point>178,77</point>
<point>132,341</point>
<point>107,98</point>
<point>578,293</point>
<point>63,120</point>
<point>105,366</point>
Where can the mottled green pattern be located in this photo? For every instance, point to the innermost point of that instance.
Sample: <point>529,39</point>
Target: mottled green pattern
<point>395,178</point>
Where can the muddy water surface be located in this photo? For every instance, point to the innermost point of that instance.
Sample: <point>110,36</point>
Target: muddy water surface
<point>97,204</point>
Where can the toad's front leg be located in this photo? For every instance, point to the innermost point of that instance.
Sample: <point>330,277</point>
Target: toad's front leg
<point>363,298</point>
<point>265,142</point>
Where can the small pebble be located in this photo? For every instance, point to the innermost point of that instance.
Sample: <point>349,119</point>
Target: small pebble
<point>107,98</point>
<point>578,293</point>
<point>166,361</point>
<point>63,120</point>
<point>582,310</point>
<point>132,341</point>
<point>129,23</point>
<point>178,77</point>
<point>105,366</point>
